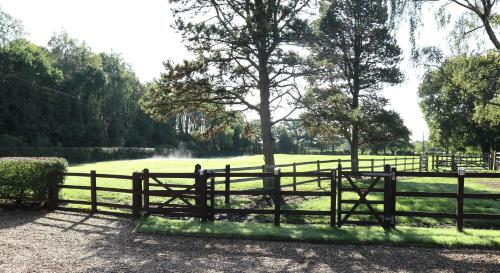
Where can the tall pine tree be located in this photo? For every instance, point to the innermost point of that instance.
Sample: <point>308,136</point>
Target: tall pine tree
<point>355,55</point>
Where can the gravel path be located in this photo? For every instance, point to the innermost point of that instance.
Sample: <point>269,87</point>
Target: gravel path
<point>72,242</point>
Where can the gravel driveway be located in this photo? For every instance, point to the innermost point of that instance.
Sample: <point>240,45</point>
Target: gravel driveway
<point>73,242</point>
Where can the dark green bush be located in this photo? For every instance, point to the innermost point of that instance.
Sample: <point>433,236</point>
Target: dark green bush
<point>22,177</point>
<point>80,155</point>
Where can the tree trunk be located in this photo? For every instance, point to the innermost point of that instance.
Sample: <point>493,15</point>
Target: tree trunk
<point>267,146</point>
<point>265,122</point>
<point>485,147</point>
<point>355,148</point>
<point>355,98</point>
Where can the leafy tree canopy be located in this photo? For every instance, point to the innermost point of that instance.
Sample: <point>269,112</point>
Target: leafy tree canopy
<point>354,55</point>
<point>246,58</point>
<point>10,28</point>
<point>460,101</point>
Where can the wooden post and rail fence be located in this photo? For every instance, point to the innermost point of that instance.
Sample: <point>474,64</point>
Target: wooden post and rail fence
<point>155,193</point>
<point>469,161</point>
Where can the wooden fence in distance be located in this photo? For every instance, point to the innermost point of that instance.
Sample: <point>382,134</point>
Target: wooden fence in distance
<point>496,161</point>
<point>455,161</point>
<point>410,163</point>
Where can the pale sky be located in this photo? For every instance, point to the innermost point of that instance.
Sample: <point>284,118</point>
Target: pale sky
<point>140,31</point>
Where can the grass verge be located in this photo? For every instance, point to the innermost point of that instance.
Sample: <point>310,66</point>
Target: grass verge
<point>447,237</point>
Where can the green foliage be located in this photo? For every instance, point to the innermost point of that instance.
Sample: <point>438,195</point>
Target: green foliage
<point>68,95</point>
<point>244,59</point>
<point>387,131</point>
<point>29,177</point>
<point>10,28</point>
<point>285,143</point>
<point>221,139</point>
<point>354,54</point>
<point>79,155</point>
<point>459,100</point>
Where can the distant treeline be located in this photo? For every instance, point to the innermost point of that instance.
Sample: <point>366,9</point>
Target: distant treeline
<point>66,95</point>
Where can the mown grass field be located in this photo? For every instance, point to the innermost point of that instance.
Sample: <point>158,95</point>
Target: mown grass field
<point>447,237</point>
<point>126,167</point>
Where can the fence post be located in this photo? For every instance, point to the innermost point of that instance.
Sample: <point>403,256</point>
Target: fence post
<point>393,196</point>
<point>93,192</point>
<point>53,198</point>
<point>413,163</point>
<point>197,169</point>
<point>333,195</point>
<point>201,188</point>
<point>460,200</point>
<point>339,195</point>
<point>453,164</point>
<point>145,180</point>
<point>372,165</point>
<point>264,178</point>
<point>387,198</point>
<point>136,195</point>
<point>227,185</point>
<point>396,161</point>
<point>294,176</point>
<point>212,196</point>
<point>277,196</point>
<point>318,168</point>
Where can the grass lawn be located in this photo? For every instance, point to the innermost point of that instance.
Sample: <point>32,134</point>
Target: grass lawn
<point>127,167</point>
<point>447,237</point>
<point>404,184</point>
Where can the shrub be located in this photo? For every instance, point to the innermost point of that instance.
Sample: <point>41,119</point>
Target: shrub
<point>22,177</point>
<point>80,154</point>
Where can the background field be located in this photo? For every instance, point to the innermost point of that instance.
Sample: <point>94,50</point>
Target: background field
<point>127,167</point>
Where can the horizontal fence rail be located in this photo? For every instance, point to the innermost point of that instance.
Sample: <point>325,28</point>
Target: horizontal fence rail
<point>459,195</point>
<point>470,162</point>
<point>407,163</point>
<point>194,194</point>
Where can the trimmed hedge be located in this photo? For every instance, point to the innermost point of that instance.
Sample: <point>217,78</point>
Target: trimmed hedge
<point>80,155</point>
<point>22,177</point>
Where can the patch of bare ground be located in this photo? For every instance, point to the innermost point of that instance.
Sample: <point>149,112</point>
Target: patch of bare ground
<point>492,184</point>
<point>74,242</point>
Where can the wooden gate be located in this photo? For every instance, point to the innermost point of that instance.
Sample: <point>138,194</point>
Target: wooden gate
<point>362,184</point>
<point>424,163</point>
<point>186,198</point>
